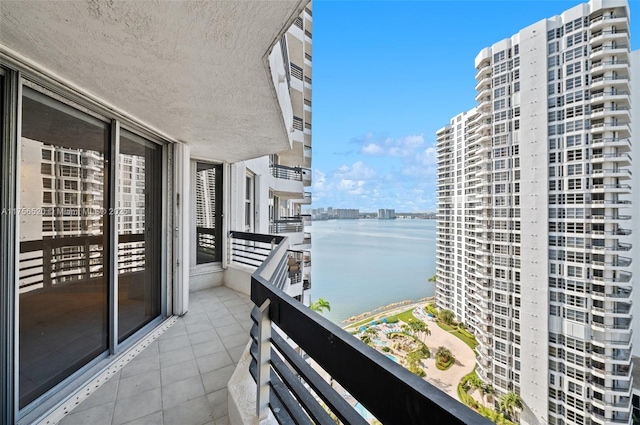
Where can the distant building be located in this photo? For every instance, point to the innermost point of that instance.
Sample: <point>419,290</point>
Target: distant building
<point>341,213</point>
<point>386,214</point>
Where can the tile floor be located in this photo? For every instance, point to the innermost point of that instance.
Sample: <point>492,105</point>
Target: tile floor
<point>181,378</point>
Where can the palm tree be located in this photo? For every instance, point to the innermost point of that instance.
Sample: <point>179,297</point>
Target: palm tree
<point>366,339</point>
<point>474,382</point>
<point>447,316</point>
<point>487,390</point>
<point>433,278</point>
<point>371,331</point>
<point>419,328</point>
<point>509,403</point>
<point>320,305</point>
<point>444,354</point>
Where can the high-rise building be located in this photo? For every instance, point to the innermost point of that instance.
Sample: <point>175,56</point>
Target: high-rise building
<point>386,214</point>
<point>534,217</point>
<point>347,213</point>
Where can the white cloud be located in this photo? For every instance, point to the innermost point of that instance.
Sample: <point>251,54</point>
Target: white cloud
<point>357,171</point>
<point>319,181</point>
<point>427,157</point>
<point>372,149</point>
<point>401,147</point>
<point>353,187</point>
<point>387,173</point>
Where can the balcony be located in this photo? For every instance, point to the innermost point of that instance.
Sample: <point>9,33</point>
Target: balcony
<point>289,388</point>
<point>607,35</point>
<point>610,50</point>
<point>608,20</point>
<point>286,225</point>
<point>180,377</point>
<point>286,173</point>
<point>609,65</point>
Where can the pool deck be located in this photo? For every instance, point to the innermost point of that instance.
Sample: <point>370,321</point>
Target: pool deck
<point>445,380</point>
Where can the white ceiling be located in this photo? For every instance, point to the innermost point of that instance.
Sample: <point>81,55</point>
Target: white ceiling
<point>194,70</point>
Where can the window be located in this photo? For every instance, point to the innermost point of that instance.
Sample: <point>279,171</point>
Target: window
<point>208,202</point>
<point>249,208</point>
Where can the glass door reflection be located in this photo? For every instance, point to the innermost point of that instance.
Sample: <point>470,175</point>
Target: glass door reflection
<point>139,227</point>
<point>62,283</point>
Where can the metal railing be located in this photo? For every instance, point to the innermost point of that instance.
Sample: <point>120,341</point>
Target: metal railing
<point>294,392</point>
<point>298,22</point>
<point>287,173</point>
<point>295,261</point>
<point>251,249</point>
<point>286,225</point>
<point>296,71</point>
<point>206,243</point>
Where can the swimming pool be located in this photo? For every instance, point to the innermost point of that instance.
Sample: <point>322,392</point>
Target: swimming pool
<point>392,357</point>
<point>363,412</point>
<point>378,341</point>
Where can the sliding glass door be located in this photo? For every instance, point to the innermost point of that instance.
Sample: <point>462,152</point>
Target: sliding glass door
<point>139,222</point>
<point>63,286</point>
<point>90,222</point>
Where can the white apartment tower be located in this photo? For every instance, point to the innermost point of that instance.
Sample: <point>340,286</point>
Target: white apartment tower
<point>534,218</point>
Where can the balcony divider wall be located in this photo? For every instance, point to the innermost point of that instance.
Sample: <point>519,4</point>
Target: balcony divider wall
<point>83,268</point>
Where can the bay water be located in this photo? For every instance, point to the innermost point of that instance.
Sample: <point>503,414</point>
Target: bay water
<point>360,265</point>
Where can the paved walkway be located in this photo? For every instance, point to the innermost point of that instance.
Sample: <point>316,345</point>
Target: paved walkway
<point>181,378</point>
<point>448,380</point>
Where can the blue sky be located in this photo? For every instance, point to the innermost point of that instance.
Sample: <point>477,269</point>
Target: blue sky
<point>386,76</point>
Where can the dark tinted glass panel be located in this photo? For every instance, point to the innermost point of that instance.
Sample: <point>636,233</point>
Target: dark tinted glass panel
<point>139,223</point>
<point>62,284</point>
<point>208,213</point>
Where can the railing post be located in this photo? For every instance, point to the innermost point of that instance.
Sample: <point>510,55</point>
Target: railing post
<point>229,242</point>
<point>264,361</point>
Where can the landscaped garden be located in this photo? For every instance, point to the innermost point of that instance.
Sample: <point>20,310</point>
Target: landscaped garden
<point>403,337</point>
<point>483,402</point>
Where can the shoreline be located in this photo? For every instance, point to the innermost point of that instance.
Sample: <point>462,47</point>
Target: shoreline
<point>385,309</point>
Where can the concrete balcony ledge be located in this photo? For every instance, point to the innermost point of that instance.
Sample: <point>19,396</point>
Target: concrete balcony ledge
<point>242,395</point>
<point>181,378</point>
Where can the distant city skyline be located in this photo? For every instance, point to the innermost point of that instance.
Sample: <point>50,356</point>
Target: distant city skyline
<point>385,82</point>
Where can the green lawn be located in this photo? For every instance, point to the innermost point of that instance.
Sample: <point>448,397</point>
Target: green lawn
<point>470,341</point>
<point>406,316</point>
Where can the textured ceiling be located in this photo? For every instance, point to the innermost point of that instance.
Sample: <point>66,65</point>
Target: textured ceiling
<point>194,70</point>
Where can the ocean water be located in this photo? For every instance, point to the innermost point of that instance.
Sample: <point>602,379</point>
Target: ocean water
<point>359,265</point>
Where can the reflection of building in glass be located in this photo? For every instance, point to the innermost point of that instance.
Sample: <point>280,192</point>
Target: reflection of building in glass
<point>131,183</point>
<point>205,198</point>
<point>71,203</point>
<point>65,201</point>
